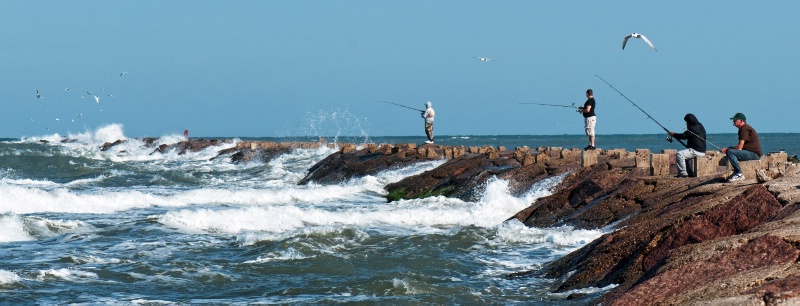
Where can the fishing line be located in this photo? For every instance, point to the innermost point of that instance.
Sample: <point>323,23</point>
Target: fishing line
<point>669,138</point>
<point>674,123</point>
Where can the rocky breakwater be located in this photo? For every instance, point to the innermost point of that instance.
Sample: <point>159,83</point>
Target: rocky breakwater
<point>265,151</point>
<point>181,147</point>
<point>675,241</point>
<point>463,174</point>
<point>241,152</point>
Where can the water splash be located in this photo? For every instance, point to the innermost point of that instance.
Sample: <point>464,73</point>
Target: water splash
<point>339,124</point>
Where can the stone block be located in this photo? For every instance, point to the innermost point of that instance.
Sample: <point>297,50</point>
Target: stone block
<point>542,158</point>
<point>588,158</point>
<point>431,154</point>
<point>458,152</point>
<point>777,165</point>
<point>567,154</point>
<point>616,153</point>
<point>386,149</point>
<point>501,148</point>
<point>749,168</point>
<point>253,145</point>
<point>372,148</point>
<point>523,149</point>
<point>671,153</point>
<point>778,157</point>
<point>642,158</point>
<point>792,170</point>
<point>706,165</point>
<point>269,145</point>
<point>347,148</point>
<point>528,159</point>
<point>659,164</point>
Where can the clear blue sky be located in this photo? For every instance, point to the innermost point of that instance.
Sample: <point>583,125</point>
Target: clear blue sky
<point>294,68</point>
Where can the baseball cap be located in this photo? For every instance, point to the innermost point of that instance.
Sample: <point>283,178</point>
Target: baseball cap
<point>739,116</point>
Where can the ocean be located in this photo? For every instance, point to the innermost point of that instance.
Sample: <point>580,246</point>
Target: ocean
<point>125,226</point>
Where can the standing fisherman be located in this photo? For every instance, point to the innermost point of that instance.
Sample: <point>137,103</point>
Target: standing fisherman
<point>695,135</point>
<point>428,115</point>
<point>589,118</point>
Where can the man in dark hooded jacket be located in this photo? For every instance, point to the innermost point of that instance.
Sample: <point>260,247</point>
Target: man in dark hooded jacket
<point>695,135</point>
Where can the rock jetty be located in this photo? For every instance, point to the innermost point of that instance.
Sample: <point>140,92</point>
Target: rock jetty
<point>698,240</point>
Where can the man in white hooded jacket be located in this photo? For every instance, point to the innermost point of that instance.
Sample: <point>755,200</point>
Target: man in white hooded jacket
<point>428,115</point>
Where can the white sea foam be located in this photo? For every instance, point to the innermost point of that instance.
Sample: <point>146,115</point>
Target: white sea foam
<point>432,214</point>
<point>8,278</point>
<point>12,228</point>
<point>290,254</point>
<point>72,275</point>
<point>564,236</point>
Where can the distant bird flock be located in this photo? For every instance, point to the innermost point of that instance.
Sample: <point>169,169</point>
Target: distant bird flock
<point>40,95</point>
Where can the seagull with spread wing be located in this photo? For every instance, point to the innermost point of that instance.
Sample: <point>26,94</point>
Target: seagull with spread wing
<point>637,35</point>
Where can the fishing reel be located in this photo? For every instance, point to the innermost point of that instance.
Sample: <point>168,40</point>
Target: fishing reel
<point>669,138</point>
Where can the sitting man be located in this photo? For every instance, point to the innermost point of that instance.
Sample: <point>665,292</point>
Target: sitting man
<point>748,148</point>
<point>695,135</point>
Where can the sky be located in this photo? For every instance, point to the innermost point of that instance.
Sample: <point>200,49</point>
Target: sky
<point>323,68</point>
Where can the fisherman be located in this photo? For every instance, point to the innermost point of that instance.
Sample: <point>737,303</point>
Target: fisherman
<point>428,115</point>
<point>589,118</point>
<point>695,135</point>
<point>748,148</point>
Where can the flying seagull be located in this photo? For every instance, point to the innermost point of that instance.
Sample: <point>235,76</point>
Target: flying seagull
<point>96,98</point>
<point>123,73</point>
<point>637,35</point>
<point>38,96</point>
<point>483,59</point>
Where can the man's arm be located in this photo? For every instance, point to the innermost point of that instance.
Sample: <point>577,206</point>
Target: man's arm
<point>738,146</point>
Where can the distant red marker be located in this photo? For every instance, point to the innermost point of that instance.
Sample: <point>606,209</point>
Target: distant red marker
<point>186,134</point>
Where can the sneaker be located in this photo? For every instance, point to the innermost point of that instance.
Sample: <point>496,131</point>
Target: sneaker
<point>589,148</point>
<point>681,175</point>
<point>428,141</point>
<point>736,177</point>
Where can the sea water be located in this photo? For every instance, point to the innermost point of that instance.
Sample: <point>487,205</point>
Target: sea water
<point>128,226</point>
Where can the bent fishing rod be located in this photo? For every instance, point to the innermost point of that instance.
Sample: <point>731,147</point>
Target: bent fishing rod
<point>669,138</point>
<point>401,105</point>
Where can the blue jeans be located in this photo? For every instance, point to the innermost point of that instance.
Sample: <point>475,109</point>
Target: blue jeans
<point>734,156</point>
<point>683,155</point>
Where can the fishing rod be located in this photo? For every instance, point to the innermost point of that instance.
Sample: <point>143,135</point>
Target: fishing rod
<point>669,138</point>
<point>401,105</point>
<point>559,105</point>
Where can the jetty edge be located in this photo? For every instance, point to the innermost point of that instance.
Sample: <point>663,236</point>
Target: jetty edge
<point>669,240</point>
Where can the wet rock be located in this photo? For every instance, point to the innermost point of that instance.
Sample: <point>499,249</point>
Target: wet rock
<point>194,145</point>
<point>350,163</point>
<point>464,177</point>
<point>675,241</point>
<point>109,145</point>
